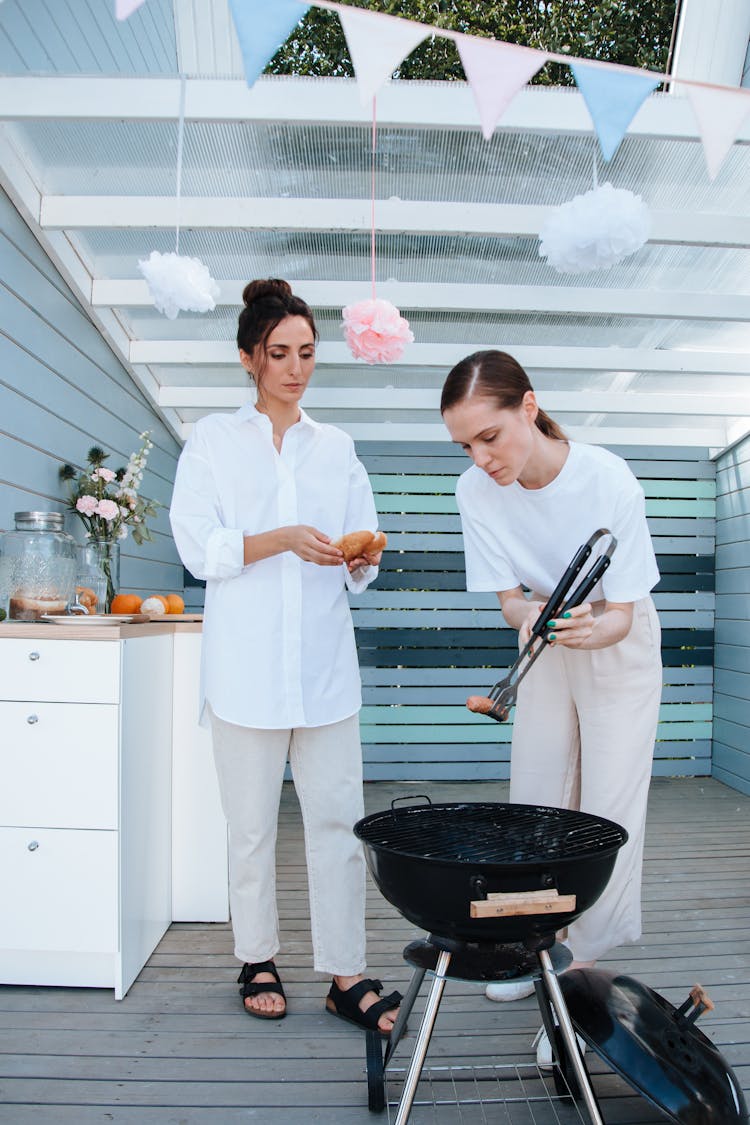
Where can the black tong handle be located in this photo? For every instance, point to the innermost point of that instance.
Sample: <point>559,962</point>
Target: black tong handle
<point>503,693</point>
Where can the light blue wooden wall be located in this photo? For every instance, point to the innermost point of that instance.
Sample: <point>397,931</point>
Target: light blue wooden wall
<point>731,748</point>
<point>63,390</point>
<point>425,643</point>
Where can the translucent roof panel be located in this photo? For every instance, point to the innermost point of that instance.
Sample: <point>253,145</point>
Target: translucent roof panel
<point>285,159</point>
<point>464,259</point>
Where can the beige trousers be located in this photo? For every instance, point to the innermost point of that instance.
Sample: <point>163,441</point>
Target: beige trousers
<point>583,738</point>
<point>327,769</point>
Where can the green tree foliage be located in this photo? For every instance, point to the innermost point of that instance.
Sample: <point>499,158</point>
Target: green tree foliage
<point>637,34</point>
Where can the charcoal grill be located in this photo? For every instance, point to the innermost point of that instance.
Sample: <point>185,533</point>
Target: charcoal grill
<point>482,878</point>
<point>492,883</point>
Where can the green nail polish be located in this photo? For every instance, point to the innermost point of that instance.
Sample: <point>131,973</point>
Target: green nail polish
<point>567,615</point>
<point>551,624</point>
<point>552,637</point>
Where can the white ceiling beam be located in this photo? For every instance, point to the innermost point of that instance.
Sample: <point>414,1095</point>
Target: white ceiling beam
<point>398,398</point>
<point>469,298</point>
<point>121,212</point>
<point>712,437</point>
<point>222,352</point>
<point>329,100</point>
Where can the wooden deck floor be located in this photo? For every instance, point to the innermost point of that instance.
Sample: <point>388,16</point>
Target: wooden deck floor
<point>179,1050</point>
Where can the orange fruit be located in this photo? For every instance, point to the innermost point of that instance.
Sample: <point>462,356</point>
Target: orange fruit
<point>87,598</point>
<point>156,604</point>
<point>175,603</point>
<point>125,603</point>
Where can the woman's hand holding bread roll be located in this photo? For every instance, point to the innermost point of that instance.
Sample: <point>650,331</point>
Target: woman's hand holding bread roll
<point>361,548</point>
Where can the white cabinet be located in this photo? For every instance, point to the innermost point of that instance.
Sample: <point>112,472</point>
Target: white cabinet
<point>85,806</point>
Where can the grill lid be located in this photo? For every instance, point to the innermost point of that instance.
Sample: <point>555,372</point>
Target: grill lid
<point>655,1047</point>
<point>490,833</point>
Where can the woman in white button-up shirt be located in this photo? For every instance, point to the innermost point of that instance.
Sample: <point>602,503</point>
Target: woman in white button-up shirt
<point>259,496</point>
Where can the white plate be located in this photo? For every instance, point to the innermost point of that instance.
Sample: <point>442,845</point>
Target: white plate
<point>88,619</point>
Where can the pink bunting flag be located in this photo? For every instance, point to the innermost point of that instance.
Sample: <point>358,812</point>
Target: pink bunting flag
<point>377,44</point>
<point>720,114</point>
<point>125,8</point>
<point>496,72</point>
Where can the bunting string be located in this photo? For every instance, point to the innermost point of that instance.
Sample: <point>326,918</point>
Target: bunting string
<point>178,179</point>
<point>372,194</point>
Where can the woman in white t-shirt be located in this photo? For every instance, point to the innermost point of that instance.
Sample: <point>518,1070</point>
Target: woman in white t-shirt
<point>259,496</point>
<point>586,715</point>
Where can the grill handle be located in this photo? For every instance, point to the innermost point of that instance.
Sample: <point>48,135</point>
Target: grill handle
<point>696,1004</point>
<point>514,903</point>
<point>415,797</point>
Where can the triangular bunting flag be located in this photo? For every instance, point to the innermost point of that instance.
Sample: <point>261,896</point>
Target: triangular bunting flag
<point>720,114</point>
<point>613,97</point>
<point>125,8</point>
<point>377,44</point>
<point>496,72</point>
<point>261,29</point>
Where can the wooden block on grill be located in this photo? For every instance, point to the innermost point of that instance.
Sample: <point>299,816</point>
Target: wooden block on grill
<point>509,904</point>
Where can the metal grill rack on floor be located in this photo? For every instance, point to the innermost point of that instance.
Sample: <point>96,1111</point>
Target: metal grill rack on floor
<point>513,1094</point>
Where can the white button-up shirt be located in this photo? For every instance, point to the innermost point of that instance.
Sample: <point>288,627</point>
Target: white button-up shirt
<point>278,641</point>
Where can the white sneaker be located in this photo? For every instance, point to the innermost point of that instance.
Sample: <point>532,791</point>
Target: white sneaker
<point>544,1049</point>
<point>503,991</point>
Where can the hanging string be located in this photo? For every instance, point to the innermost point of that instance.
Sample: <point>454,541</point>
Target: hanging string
<point>372,196</point>
<point>180,139</point>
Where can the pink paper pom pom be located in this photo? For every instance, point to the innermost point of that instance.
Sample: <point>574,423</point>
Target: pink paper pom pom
<point>375,331</point>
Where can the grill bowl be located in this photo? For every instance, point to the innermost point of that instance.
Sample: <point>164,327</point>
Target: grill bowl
<point>430,861</point>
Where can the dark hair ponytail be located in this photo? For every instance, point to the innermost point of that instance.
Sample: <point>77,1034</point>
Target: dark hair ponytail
<point>499,377</point>
<point>267,302</point>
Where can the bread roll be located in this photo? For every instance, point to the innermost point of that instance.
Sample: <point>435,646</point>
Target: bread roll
<point>358,543</point>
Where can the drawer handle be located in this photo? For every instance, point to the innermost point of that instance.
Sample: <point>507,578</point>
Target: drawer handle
<point>33,845</point>
<point>32,719</point>
<point>33,656</point>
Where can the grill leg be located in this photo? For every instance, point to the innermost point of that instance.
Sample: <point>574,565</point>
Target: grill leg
<point>404,1012</point>
<point>569,1036</point>
<point>423,1038</point>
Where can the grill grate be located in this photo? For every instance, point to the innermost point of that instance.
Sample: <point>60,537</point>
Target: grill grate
<point>485,1095</point>
<point>490,833</point>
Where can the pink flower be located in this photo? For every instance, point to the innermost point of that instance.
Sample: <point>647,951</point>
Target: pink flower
<point>107,509</point>
<point>104,474</point>
<point>375,331</point>
<point>86,505</point>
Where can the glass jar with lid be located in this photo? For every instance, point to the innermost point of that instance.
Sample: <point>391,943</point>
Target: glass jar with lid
<point>40,558</point>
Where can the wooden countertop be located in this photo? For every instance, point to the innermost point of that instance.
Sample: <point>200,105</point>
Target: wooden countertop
<point>107,631</point>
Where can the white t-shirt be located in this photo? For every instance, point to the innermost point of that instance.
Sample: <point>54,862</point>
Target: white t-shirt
<point>515,536</point>
<point>278,642</point>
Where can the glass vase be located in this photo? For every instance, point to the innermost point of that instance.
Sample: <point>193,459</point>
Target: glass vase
<point>100,559</point>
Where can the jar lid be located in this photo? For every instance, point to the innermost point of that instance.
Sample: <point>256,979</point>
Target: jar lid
<point>39,521</point>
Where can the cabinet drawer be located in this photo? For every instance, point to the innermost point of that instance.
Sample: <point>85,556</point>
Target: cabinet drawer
<point>60,671</point>
<point>58,890</point>
<point>58,765</point>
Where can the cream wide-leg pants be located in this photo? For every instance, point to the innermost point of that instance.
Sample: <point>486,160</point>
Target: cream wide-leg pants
<point>583,738</point>
<point>326,765</point>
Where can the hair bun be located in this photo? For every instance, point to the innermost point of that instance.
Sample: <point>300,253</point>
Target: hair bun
<point>265,287</point>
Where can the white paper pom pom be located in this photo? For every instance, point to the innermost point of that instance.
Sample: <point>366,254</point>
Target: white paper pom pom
<point>595,231</point>
<point>178,283</point>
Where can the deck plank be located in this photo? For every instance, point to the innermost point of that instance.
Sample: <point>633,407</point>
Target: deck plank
<point>178,1050</point>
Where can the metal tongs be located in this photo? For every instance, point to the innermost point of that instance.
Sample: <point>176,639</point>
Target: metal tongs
<point>503,694</point>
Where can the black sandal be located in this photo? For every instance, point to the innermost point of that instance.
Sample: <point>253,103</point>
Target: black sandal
<point>249,988</point>
<point>345,1005</point>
